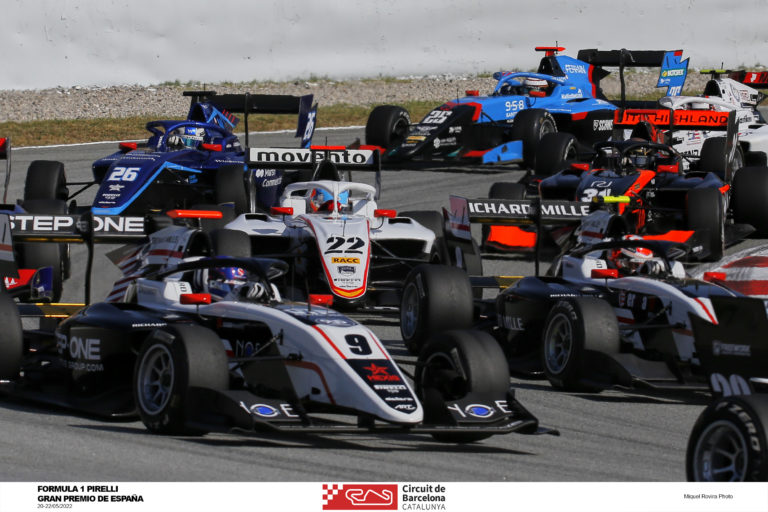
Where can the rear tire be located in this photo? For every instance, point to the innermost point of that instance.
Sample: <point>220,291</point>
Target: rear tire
<point>704,212</point>
<point>712,158</point>
<point>231,187</point>
<point>483,370</point>
<point>573,326</point>
<point>12,340</point>
<point>165,370</point>
<point>46,179</point>
<point>435,298</point>
<point>728,441</point>
<point>387,126</point>
<point>749,198</point>
<point>530,126</point>
<point>434,222</point>
<point>554,151</point>
<point>231,242</point>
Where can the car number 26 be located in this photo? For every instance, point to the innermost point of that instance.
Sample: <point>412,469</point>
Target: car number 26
<point>124,174</point>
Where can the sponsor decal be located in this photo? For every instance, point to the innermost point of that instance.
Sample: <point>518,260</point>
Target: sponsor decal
<point>602,125</point>
<point>67,223</point>
<point>479,410</point>
<point>360,496</point>
<point>575,68</point>
<point>337,259</point>
<point>673,72</point>
<point>116,188</point>
<point>346,270</point>
<point>513,323</point>
<point>415,138</point>
<point>293,156</point>
<point>522,208</point>
<point>682,118</point>
<point>572,95</point>
<point>380,373</point>
<point>269,411</point>
<point>730,349</point>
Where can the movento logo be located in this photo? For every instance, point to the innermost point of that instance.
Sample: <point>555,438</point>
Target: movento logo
<point>266,156</point>
<point>360,496</point>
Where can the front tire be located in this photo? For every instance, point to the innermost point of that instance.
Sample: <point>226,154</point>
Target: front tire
<point>46,179</point>
<point>166,369</point>
<point>435,298</point>
<point>530,126</point>
<point>573,327</point>
<point>387,126</point>
<point>728,441</point>
<point>454,364</point>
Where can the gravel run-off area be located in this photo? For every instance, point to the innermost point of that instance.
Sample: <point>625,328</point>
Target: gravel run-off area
<point>167,101</point>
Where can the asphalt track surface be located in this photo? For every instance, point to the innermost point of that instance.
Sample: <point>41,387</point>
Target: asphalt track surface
<point>608,436</point>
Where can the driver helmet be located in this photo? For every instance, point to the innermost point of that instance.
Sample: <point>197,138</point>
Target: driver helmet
<point>224,280</point>
<point>630,259</point>
<point>639,157</point>
<point>535,83</point>
<point>322,200</point>
<point>192,136</point>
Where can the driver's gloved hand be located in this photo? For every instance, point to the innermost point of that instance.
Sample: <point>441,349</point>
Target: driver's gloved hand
<point>253,292</point>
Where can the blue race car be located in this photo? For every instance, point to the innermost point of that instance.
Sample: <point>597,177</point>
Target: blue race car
<point>194,161</point>
<point>505,126</point>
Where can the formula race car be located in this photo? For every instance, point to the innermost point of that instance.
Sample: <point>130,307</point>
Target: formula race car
<point>661,198</point>
<point>337,237</point>
<point>195,161</point>
<point>505,126</point>
<point>613,312</point>
<point>201,343</point>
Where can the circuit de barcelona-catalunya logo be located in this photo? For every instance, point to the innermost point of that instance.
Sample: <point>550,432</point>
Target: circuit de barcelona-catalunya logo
<point>359,496</point>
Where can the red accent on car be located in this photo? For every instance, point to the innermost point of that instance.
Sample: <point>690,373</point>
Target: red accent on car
<point>25,275</point>
<point>371,147</point>
<point>385,213</point>
<point>128,146</point>
<point>475,153</point>
<point>604,273</point>
<point>537,94</point>
<point>194,214</point>
<point>550,50</point>
<point>668,168</point>
<point>510,237</point>
<point>714,276</point>
<point>328,148</point>
<point>472,92</point>
<point>671,236</point>
<point>320,300</point>
<point>749,261</point>
<point>281,210</point>
<point>211,147</point>
<point>579,166</point>
<point>724,188</point>
<point>578,116</point>
<point>195,298</point>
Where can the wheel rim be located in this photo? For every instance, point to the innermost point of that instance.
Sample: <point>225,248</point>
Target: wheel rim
<point>155,379</point>
<point>440,373</point>
<point>399,131</point>
<point>546,127</point>
<point>558,343</point>
<point>570,151</point>
<point>409,311</point>
<point>721,454</point>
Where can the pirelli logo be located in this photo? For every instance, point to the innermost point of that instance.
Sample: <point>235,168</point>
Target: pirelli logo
<point>677,118</point>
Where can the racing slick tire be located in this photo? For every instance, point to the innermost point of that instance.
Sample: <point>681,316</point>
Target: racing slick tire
<point>231,187</point>
<point>435,298</point>
<point>167,365</point>
<point>554,151</point>
<point>749,198</point>
<point>454,364</point>
<point>501,190</point>
<point>46,179</point>
<point>728,441</point>
<point>39,255</point>
<point>12,340</point>
<point>573,327</point>
<point>712,158</point>
<point>530,125</point>
<point>230,242</point>
<point>705,213</point>
<point>434,222</point>
<point>387,126</point>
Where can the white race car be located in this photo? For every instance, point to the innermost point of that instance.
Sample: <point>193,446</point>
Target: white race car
<point>339,240</point>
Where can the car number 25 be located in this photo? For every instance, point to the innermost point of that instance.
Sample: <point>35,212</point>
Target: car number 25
<point>124,174</point>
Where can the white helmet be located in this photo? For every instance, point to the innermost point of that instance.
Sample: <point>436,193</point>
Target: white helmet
<point>535,83</point>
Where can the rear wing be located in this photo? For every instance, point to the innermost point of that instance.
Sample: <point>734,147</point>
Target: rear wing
<point>531,212</point>
<point>671,75</point>
<point>309,158</point>
<point>733,351</point>
<point>5,154</point>
<point>264,104</point>
<point>669,119</point>
<point>755,79</point>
